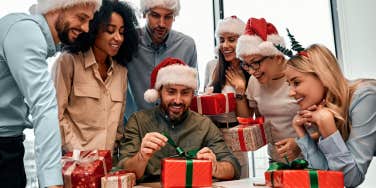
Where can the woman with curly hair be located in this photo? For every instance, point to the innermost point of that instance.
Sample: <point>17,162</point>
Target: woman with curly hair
<point>91,79</point>
<point>344,113</point>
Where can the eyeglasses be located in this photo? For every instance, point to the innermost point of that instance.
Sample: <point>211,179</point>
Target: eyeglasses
<point>255,65</point>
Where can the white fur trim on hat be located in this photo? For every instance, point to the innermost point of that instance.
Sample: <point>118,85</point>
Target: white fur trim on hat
<point>174,5</point>
<point>230,25</point>
<point>44,6</point>
<point>253,44</point>
<point>177,74</point>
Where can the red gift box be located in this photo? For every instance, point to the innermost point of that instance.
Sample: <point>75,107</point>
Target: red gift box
<point>186,173</point>
<point>249,136</point>
<point>304,178</point>
<point>119,179</point>
<point>106,154</point>
<point>214,104</point>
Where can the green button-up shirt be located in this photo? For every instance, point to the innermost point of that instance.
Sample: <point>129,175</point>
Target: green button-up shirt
<point>193,132</point>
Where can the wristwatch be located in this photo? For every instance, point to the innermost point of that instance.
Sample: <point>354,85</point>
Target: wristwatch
<point>239,96</point>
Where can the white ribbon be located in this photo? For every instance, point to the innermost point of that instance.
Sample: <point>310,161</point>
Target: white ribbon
<point>199,105</point>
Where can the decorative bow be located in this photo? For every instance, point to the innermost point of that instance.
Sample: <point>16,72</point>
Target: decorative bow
<point>181,153</point>
<point>297,164</point>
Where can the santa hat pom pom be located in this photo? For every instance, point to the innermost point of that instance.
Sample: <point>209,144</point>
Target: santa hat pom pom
<point>151,95</point>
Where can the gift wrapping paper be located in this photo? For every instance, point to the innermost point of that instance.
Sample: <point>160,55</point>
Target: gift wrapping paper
<point>304,178</point>
<point>186,173</point>
<point>85,169</point>
<point>214,104</point>
<point>245,137</point>
<point>119,179</point>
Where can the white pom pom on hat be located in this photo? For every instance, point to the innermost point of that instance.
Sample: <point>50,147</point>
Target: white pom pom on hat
<point>170,71</point>
<point>259,38</point>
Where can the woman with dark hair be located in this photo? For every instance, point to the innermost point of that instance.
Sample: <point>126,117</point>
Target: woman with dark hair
<point>227,33</point>
<point>91,79</point>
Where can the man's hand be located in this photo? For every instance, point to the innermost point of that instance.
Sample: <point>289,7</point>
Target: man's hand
<point>208,154</point>
<point>288,148</point>
<point>151,143</point>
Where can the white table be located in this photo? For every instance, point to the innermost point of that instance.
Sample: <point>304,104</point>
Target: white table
<point>242,183</point>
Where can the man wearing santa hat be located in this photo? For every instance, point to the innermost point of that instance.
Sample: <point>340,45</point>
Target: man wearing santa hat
<point>145,145</point>
<point>157,42</point>
<point>26,41</point>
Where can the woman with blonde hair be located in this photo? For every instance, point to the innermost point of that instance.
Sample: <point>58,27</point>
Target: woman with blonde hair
<point>344,113</point>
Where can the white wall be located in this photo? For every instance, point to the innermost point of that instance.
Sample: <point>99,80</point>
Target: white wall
<point>357,27</point>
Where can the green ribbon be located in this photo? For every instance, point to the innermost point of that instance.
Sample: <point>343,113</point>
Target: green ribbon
<point>189,155</point>
<point>298,164</point>
<point>189,173</point>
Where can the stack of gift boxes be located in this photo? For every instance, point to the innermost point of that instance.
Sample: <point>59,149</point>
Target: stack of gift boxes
<point>253,133</point>
<point>91,169</point>
<point>249,135</point>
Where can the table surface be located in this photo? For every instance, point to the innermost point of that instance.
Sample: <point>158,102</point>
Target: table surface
<point>242,183</point>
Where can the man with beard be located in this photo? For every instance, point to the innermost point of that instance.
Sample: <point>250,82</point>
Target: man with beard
<point>145,145</point>
<point>157,42</point>
<point>26,41</point>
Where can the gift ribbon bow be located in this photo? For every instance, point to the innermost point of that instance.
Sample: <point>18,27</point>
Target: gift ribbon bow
<point>189,155</point>
<point>244,122</point>
<point>298,164</point>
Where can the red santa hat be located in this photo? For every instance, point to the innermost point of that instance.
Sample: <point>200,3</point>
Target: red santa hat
<point>230,24</point>
<point>170,71</point>
<point>44,6</point>
<point>259,38</point>
<point>173,5</point>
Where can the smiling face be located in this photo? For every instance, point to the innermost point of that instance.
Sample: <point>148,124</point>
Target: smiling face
<point>175,100</point>
<point>306,88</point>
<point>159,23</point>
<point>110,37</point>
<point>227,45</point>
<point>265,68</point>
<point>73,21</point>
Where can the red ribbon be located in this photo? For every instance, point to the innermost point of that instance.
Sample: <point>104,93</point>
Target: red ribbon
<point>241,138</point>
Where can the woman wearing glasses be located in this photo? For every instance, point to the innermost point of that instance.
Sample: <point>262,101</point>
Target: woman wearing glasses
<point>227,33</point>
<point>267,90</point>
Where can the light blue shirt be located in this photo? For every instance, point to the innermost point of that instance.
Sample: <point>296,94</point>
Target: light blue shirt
<point>26,89</point>
<point>177,45</point>
<point>353,156</point>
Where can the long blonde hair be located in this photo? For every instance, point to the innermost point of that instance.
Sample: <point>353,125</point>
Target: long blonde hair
<point>321,63</point>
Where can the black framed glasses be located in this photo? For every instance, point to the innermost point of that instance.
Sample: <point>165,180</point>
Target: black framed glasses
<point>255,65</point>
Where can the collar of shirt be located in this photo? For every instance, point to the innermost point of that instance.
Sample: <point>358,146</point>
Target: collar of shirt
<point>165,117</point>
<point>47,34</point>
<point>146,39</point>
<point>90,60</point>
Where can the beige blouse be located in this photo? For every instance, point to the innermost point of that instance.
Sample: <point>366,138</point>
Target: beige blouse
<point>90,109</point>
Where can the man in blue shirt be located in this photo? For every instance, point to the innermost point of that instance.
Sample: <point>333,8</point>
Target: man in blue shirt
<point>27,97</point>
<point>157,42</point>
